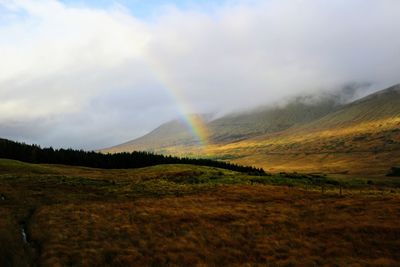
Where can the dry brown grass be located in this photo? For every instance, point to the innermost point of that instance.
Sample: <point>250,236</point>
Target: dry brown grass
<point>234,226</point>
<point>158,217</point>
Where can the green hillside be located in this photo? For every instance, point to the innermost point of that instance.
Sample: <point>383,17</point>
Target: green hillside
<point>245,125</point>
<point>384,104</point>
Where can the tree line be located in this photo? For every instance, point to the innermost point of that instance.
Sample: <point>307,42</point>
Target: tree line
<point>137,159</point>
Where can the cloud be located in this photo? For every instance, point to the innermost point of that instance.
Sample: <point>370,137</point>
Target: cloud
<point>91,77</point>
<point>246,55</point>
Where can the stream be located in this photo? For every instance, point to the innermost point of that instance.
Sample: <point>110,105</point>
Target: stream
<point>24,235</point>
<point>30,246</point>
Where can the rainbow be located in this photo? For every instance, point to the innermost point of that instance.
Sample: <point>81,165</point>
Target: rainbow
<point>195,123</point>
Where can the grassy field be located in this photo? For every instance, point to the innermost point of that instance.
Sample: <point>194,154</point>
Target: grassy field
<point>182,215</point>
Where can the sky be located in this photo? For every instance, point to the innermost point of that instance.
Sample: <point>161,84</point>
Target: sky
<point>92,74</point>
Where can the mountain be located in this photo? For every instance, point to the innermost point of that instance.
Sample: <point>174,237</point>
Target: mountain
<point>232,127</point>
<point>361,137</point>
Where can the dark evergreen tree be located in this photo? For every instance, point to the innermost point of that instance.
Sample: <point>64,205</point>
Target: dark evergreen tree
<point>137,159</point>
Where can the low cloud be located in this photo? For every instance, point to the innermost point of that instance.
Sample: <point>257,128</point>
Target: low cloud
<point>88,77</point>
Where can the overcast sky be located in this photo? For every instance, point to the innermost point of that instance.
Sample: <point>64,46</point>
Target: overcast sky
<point>90,74</point>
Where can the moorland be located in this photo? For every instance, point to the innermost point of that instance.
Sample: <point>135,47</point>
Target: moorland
<point>186,215</point>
